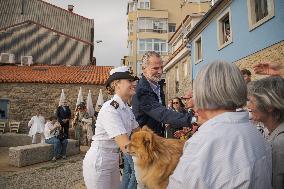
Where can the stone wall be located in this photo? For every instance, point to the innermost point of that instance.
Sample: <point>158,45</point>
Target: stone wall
<point>24,98</point>
<point>185,82</point>
<point>274,53</point>
<point>14,139</point>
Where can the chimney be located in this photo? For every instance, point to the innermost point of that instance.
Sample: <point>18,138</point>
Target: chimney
<point>70,8</point>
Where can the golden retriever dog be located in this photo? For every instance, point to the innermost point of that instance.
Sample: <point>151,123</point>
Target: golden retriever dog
<point>157,157</point>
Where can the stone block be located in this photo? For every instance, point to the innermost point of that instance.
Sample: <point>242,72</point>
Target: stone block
<point>21,156</point>
<point>14,139</point>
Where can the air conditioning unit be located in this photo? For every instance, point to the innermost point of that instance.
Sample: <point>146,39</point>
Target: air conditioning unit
<point>26,60</point>
<point>7,58</point>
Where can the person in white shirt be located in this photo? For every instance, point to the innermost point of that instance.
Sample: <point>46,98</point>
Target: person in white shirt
<point>114,125</point>
<point>51,131</point>
<point>227,151</point>
<point>36,125</point>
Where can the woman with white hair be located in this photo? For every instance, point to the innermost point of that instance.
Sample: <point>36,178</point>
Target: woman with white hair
<point>266,101</point>
<point>227,151</point>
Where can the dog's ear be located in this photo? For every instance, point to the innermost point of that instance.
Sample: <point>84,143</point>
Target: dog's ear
<point>148,140</point>
<point>146,128</point>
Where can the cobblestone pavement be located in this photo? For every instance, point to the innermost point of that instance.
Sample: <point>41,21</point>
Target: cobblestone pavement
<point>62,174</point>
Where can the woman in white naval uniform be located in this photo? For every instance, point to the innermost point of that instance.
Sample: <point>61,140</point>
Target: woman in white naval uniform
<point>114,125</point>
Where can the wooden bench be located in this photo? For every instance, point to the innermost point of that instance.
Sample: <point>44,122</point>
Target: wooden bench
<point>21,156</point>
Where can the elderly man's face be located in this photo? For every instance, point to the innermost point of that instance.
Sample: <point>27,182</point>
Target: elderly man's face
<point>154,69</point>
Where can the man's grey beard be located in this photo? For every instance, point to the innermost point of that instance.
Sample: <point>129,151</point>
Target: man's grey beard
<point>156,79</point>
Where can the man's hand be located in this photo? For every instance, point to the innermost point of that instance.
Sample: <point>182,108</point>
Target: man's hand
<point>268,68</point>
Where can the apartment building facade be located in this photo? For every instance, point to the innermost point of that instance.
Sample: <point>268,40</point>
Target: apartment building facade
<point>151,23</point>
<point>178,67</point>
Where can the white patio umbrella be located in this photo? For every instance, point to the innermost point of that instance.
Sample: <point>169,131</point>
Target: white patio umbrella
<point>80,97</point>
<point>62,98</point>
<point>90,107</point>
<point>100,100</point>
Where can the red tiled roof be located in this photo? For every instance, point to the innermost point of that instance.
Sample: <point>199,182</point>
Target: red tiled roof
<point>55,74</point>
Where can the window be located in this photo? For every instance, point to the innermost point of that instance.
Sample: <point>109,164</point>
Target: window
<point>151,25</point>
<point>157,45</point>
<point>4,107</point>
<point>129,48</point>
<point>131,6</point>
<point>139,68</point>
<point>144,4</point>
<point>172,27</point>
<point>130,27</point>
<point>224,29</point>
<point>198,50</point>
<point>160,26</point>
<point>259,11</point>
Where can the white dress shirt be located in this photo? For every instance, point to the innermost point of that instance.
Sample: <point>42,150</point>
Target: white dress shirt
<point>112,122</point>
<point>226,152</point>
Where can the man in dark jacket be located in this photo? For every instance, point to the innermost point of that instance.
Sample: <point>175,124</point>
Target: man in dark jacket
<point>63,114</point>
<point>148,104</point>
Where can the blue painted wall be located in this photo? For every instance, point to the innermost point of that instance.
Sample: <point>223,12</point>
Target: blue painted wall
<point>245,42</point>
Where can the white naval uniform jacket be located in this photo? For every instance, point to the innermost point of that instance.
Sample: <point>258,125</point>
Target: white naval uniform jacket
<point>115,118</point>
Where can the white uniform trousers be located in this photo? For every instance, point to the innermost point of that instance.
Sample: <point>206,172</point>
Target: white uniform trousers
<point>101,169</point>
<point>140,185</point>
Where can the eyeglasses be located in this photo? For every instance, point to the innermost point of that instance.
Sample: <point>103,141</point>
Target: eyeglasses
<point>175,102</point>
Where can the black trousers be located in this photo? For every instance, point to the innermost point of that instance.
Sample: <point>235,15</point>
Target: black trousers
<point>65,127</point>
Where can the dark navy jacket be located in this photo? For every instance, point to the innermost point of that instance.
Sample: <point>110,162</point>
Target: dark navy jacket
<point>63,114</point>
<point>148,111</point>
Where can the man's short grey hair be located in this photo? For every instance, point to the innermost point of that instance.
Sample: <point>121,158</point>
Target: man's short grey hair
<point>219,85</point>
<point>269,93</point>
<point>147,56</point>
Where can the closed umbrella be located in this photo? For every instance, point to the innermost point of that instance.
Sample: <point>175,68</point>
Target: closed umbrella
<point>62,98</point>
<point>100,100</point>
<point>90,107</point>
<point>80,97</point>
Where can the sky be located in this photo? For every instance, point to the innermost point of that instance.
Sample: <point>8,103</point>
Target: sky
<point>110,26</point>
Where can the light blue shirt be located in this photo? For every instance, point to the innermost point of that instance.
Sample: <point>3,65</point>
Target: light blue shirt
<point>156,88</point>
<point>226,152</point>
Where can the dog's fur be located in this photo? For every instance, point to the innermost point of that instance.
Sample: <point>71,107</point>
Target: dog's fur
<point>157,157</point>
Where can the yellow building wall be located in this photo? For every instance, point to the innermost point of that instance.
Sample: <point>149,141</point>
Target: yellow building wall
<point>169,9</point>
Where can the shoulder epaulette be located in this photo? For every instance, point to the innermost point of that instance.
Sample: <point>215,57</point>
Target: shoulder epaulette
<point>114,104</point>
